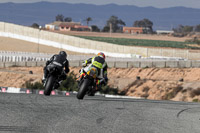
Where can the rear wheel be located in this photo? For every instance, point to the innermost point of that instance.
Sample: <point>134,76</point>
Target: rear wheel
<point>83,89</point>
<point>49,85</point>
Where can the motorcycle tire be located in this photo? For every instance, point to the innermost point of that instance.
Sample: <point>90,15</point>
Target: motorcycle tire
<point>49,85</point>
<point>83,89</point>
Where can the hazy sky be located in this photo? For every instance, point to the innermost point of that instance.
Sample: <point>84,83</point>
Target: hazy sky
<point>141,3</point>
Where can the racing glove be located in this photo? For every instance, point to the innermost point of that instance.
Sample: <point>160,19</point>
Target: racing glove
<point>84,64</point>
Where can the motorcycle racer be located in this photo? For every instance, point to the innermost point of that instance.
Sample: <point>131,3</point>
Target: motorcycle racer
<point>60,61</point>
<point>98,62</point>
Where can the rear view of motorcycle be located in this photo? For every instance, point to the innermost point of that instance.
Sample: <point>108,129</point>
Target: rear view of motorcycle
<point>87,84</point>
<point>52,80</point>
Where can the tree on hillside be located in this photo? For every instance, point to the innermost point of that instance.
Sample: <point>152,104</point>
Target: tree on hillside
<point>88,20</point>
<point>138,24</point>
<point>197,28</point>
<point>95,28</point>
<point>68,19</point>
<point>60,18</point>
<point>183,29</point>
<point>114,24</point>
<point>188,28</point>
<point>106,29</point>
<point>35,25</point>
<point>146,23</point>
<point>179,29</point>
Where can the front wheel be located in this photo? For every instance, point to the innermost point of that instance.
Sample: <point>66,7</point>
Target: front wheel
<point>83,89</point>
<point>49,85</point>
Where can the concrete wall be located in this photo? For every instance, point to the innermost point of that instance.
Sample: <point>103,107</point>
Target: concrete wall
<point>116,64</point>
<point>88,46</point>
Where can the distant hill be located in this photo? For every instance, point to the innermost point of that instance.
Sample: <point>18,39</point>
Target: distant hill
<point>45,12</point>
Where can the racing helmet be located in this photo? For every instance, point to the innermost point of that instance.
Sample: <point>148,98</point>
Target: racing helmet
<point>63,53</point>
<point>102,55</point>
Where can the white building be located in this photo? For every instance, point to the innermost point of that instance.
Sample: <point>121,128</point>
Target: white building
<point>164,32</point>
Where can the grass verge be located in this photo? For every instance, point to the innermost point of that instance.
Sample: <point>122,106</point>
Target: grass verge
<point>141,42</point>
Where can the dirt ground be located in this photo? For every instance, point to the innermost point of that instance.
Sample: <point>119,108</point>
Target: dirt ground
<point>155,83</point>
<point>10,44</point>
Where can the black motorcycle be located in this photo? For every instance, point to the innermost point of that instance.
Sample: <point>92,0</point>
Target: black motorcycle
<point>88,83</point>
<point>52,80</point>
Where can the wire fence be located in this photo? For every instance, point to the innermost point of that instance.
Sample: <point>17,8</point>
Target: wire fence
<point>10,56</point>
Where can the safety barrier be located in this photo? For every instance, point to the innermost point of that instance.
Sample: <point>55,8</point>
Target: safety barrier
<point>9,56</point>
<point>20,59</point>
<point>57,92</point>
<point>32,91</point>
<point>115,64</point>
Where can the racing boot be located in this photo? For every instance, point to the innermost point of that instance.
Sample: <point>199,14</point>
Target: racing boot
<point>57,85</point>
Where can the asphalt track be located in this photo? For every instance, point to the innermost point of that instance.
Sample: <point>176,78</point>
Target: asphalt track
<point>61,114</point>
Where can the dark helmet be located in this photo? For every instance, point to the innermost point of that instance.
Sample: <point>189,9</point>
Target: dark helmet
<point>63,53</point>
